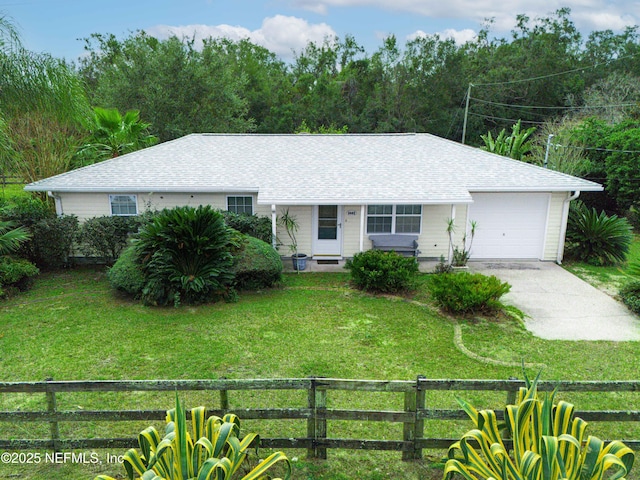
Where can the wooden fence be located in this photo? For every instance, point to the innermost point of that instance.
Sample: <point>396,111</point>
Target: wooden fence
<point>411,418</point>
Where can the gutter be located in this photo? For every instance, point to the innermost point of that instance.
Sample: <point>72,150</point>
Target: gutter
<point>563,228</point>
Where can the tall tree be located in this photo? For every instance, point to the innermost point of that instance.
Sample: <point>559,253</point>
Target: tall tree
<point>177,88</point>
<point>38,93</point>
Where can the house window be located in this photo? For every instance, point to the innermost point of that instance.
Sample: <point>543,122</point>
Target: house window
<point>123,205</point>
<point>394,218</point>
<point>240,205</point>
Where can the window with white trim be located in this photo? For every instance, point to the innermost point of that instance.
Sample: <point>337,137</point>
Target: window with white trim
<point>123,205</point>
<point>240,204</point>
<point>394,218</point>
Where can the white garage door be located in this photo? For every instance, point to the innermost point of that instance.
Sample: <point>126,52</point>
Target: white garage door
<point>509,225</point>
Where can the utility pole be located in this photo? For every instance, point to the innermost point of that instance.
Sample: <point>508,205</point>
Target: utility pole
<point>466,114</point>
<point>546,153</point>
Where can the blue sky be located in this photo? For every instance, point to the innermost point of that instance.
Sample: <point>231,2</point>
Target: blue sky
<point>285,26</point>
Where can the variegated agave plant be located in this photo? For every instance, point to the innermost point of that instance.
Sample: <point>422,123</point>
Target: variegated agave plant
<point>549,443</point>
<point>216,454</point>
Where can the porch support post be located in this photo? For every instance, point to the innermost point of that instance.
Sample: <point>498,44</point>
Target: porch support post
<point>274,224</point>
<point>453,219</point>
<point>363,211</point>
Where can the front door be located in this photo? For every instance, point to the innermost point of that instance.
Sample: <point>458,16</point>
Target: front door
<point>327,231</point>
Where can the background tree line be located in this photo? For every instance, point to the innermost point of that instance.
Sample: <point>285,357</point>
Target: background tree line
<point>546,75</point>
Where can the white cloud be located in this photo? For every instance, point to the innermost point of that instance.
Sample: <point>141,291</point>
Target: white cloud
<point>280,34</point>
<point>588,15</point>
<point>459,36</point>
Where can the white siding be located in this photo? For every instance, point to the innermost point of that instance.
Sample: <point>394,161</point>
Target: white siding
<point>303,215</point>
<point>89,205</point>
<point>554,225</point>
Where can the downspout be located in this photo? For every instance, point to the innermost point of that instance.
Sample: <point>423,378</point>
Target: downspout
<point>274,224</point>
<point>563,227</point>
<point>362,226</point>
<point>58,202</point>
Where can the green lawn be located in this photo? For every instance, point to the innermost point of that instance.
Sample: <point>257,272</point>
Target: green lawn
<point>609,279</point>
<point>71,326</point>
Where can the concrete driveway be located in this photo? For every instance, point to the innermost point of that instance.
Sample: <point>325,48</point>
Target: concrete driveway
<point>559,305</point>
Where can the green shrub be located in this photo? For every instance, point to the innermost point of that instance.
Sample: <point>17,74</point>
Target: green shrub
<point>254,225</point>
<point>468,293</point>
<point>630,295</point>
<point>106,236</point>
<point>212,450</point>
<point>126,274</point>
<point>385,272</point>
<point>52,236</point>
<point>597,239</point>
<point>256,264</point>
<point>17,273</point>
<point>185,257</point>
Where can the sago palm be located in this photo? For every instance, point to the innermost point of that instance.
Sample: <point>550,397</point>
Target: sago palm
<point>11,237</point>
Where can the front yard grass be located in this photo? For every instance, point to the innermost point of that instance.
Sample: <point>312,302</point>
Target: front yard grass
<point>71,326</point>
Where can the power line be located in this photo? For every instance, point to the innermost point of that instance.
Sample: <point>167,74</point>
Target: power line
<point>552,108</point>
<point>542,77</point>
<point>611,150</point>
<point>506,119</point>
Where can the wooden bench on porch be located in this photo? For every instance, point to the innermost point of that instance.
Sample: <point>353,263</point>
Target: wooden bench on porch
<point>406,245</point>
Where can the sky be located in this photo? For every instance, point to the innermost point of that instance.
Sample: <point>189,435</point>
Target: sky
<point>57,27</point>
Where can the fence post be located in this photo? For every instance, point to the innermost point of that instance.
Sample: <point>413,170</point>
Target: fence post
<point>316,427</point>
<point>413,430</point>
<point>511,394</point>
<point>51,409</point>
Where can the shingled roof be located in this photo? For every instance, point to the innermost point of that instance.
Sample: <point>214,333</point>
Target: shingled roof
<point>316,169</point>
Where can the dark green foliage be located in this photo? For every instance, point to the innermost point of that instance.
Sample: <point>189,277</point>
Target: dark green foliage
<point>107,236</point>
<point>468,293</point>
<point>126,274</point>
<point>52,236</point>
<point>256,264</point>
<point>630,295</point>
<point>16,273</point>
<point>385,272</point>
<point>597,239</point>
<point>622,166</point>
<point>185,256</point>
<point>254,225</point>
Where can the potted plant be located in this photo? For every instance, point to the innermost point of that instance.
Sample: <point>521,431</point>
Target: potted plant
<point>459,256</point>
<point>290,224</point>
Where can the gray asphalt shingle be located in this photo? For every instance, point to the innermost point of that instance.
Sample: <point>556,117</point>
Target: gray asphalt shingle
<point>315,169</point>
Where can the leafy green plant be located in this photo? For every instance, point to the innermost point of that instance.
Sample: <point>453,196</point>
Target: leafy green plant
<point>256,264</point>
<point>213,450</point>
<point>126,274</point>
<point>597,238</point>
<point>16,273</point>
<point>185,256</point>
<point>460,254</point>
<point>290,224</point>
<point>51,236</point>
<point>630,295</point>
<point>443,266</point>
<point>106,236</point>
<point>254,225</point>
<point>11,237</point>
<point>468,293</point>
<point>380,271</point>
<point>515,145</point>
<point>549,443</point>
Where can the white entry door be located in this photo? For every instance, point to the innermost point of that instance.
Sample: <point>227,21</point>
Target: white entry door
<point>327,231</point>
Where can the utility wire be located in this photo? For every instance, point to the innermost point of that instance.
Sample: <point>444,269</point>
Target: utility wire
<point>551,108</point>
<point>506,119</point>
<point>542,77</point>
